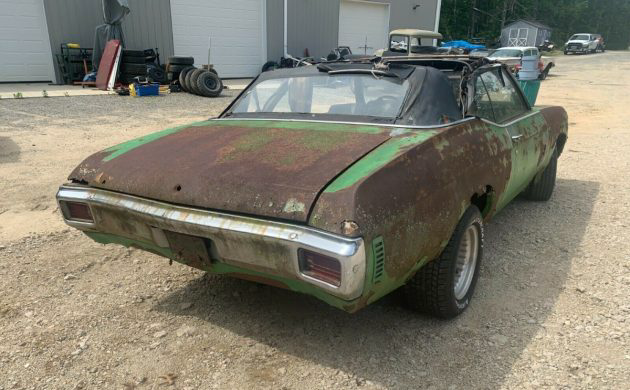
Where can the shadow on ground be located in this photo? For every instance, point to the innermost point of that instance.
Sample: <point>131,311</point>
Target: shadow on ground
<point>9,150</point>
<point>529,249</point>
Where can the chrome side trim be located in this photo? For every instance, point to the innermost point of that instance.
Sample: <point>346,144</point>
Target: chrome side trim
<point>353,123</point>
<point>238,239</point>
<point>520,118</point>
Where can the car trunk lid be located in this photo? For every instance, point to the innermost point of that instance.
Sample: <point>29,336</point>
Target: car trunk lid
<point>265,168</point>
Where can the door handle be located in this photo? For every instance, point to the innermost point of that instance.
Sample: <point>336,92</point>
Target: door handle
<point>517,137</point>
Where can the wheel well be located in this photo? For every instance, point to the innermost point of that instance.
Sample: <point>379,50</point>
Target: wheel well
<point>483,201</point>
<point>562,140</point>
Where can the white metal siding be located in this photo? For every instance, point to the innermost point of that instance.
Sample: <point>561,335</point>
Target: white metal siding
<point>235,27</point>
<point>361,20</point>
<point>24,46</point>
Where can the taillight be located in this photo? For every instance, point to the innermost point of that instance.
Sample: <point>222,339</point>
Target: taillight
<point>76,211</point>
<point>541,65</point>
<point>320,267</point>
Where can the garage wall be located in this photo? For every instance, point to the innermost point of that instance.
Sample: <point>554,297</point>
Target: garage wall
<point>404,16</point>
<point>275,29</point>
<point>314,24</point>
<point>147,26</point>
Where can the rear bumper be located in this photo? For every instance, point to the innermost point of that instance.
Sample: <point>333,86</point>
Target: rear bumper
<point>266,247</point>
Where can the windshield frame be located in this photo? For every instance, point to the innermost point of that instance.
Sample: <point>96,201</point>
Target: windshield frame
<point>352,118</point>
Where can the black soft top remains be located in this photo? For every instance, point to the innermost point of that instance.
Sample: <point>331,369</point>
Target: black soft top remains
<point>430,100</point>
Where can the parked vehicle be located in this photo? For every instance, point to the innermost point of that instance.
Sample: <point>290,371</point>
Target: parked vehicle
<point>585,44</point>
<point>408,42</point>
<point>343,180</point>
<point>547,46</point>
<point>515,57</point>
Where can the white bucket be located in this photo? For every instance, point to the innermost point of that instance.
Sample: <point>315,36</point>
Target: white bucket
<point>529,70</point>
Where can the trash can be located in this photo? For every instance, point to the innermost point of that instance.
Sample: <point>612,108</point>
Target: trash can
<point>531,89</point>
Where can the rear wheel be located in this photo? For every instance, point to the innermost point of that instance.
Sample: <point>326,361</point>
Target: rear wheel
<point>444,287</point>
<point>541,188</point>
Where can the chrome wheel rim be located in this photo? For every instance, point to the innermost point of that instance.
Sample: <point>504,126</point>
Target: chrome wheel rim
<point>466,261</point>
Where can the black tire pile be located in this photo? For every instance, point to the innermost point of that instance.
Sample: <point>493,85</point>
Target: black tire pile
<point>140,63</point>
<point>193,80</point>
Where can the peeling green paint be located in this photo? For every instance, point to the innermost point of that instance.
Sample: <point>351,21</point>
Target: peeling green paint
<point>315,140</point>
<point>378,158</point>
<point>125,147</point>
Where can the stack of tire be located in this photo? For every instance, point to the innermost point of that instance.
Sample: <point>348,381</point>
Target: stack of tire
<point>202,82</point>
<point>133,64</point>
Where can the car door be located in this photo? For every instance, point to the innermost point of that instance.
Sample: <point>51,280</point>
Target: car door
<point>500,103</point>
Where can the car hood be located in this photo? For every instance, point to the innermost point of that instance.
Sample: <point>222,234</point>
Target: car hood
<point>266,168</point>
<point>577,42</point>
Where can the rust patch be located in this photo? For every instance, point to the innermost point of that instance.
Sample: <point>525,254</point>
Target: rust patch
<point>415,200</point>
<point>272,172</point>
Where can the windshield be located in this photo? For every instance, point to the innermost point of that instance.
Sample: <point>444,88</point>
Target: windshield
<point>502,53</point>
<point>347,94</point>
<point>580,37</point>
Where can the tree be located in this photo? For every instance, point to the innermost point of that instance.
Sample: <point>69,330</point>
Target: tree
<point>463,19</point>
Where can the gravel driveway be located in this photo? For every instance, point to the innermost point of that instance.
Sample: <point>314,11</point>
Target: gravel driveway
<point>551,307</point>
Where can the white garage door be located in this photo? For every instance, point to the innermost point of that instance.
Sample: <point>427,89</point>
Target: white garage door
<point>363,26</point>
<point>236,29</point>
<point>24,45</point>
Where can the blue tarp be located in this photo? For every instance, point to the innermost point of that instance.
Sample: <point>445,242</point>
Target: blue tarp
<point>463,45</point>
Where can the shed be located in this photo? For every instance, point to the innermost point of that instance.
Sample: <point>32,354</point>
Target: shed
<point>525,33</point>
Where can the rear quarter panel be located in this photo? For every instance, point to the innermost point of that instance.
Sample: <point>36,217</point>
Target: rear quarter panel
<point>412,191</point>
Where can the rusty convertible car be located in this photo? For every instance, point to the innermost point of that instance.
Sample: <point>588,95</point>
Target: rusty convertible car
<point>345,181</point>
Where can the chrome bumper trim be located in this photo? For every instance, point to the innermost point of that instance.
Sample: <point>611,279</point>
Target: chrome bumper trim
<point>238,239</point>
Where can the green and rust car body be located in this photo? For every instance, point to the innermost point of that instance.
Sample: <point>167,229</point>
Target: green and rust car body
<point>240,197</point>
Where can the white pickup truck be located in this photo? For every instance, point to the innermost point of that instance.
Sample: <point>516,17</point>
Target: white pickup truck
<point>585,43</point>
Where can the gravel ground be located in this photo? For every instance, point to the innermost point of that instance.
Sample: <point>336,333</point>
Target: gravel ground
<point>551,308</point>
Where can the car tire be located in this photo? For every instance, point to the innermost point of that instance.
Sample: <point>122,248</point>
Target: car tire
<point>182,77</point>
<point>128,59</point>
<point>156,74</point>
<point>438,288</point>
<point>139,69</point>
<point>270,65</point>
<point>176,68</point>
<point>192,83</point>
<point>542,186</point>
<point>209,84</point>
<point>187,80</point>
<point>180,60</point>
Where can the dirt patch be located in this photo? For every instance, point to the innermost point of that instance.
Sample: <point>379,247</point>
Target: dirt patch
<point>550,310</point>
